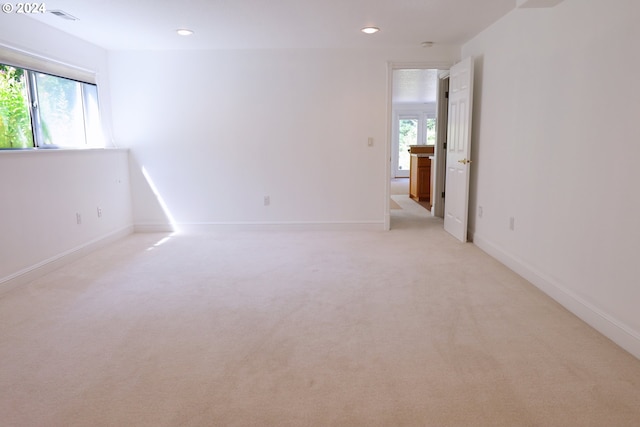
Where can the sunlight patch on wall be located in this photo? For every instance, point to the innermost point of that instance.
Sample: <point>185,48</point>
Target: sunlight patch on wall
<point>161,201</point>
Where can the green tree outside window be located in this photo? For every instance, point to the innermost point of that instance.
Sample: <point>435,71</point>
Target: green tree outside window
<point>15,121</point>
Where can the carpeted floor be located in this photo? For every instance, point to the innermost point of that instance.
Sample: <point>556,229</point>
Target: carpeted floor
<point>305,328</point>
<point>400,188</point>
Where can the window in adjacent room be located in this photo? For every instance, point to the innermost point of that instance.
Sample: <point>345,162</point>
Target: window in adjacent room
<point>408,135</point>
<point>46,111</point>
<point>430,131</point>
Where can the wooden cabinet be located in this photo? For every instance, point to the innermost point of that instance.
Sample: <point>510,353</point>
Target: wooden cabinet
<point>420,178</point>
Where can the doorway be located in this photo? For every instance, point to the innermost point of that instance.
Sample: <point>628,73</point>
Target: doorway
<point>415,119</point>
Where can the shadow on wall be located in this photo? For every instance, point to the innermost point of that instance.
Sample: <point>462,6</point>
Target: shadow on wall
<point>150,212</point>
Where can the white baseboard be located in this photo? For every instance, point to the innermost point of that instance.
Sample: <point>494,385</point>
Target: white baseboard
<point>154,228</point>
<point>604,323</point>
<point>261,226</point>
<point>40,269</point>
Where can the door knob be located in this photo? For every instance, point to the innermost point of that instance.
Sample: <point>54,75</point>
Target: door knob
<point>464,161</point>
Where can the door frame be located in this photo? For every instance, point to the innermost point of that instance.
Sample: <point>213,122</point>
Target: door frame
<point>442,107</point>
<point>391,66</point>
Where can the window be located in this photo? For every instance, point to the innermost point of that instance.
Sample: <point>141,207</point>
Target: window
<point>15,119</point>
<point>47,111</point>
<point>408,135</point>
<point>430,131</point>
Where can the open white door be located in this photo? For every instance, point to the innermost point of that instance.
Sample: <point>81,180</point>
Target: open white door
<point>456,202</point>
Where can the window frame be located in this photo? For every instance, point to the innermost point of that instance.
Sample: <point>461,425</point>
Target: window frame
<point>35,112</point>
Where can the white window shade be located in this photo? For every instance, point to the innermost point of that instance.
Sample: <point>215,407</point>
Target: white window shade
<point>19,58</point>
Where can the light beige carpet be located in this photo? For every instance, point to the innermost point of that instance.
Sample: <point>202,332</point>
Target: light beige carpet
<point>400,187</point>
<point>274,328</point>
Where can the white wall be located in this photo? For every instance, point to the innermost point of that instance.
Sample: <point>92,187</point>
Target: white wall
<point>219,130</point>
<point>42,190</point>
<point>426,108</point>
<point>556,147</point>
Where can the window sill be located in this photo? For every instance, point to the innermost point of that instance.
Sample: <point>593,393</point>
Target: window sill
<point>59,150</point>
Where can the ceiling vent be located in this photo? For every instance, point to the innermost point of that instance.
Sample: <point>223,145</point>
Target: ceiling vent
<point>64,15</point>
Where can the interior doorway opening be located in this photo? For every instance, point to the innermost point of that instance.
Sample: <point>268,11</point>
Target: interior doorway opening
<point>418,108</point>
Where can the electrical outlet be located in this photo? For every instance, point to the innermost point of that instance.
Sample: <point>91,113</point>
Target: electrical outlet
<point>267,200</point>
<point>480,212</point>
<point>512,223</point>
<point>78,218</point>
<point>370,142</point>
<point>99,209</point>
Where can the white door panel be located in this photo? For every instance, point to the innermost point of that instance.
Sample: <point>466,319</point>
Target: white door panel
<point>459,149</point>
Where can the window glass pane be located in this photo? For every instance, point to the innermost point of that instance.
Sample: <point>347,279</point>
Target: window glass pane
<point>60,111</point>
<point>408,135</point>
<point>92,115</point>
<point>15,120</point>
<point>431,131</point>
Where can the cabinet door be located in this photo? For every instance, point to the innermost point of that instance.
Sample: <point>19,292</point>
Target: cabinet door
<point>424,179</point>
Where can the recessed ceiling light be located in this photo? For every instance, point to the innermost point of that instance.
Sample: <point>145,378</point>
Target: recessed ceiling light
<point>427,44</point>
<point>184,32</point>
<point>370,30</point>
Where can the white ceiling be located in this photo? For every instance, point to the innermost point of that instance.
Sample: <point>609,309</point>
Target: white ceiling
<point>415,86</point>
<point>248,24</point>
